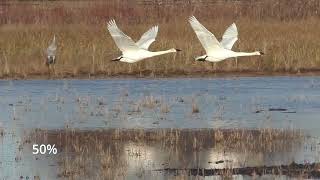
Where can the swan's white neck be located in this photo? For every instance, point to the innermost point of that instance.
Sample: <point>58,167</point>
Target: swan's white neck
<point>158,53</point>
<point>238,54</point>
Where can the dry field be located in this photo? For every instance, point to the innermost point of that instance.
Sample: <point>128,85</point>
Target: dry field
<point>287,31</point>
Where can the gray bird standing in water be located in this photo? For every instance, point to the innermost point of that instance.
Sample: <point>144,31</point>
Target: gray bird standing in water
<point>51,53</point>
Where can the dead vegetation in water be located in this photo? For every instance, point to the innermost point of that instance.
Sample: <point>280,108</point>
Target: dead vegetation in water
<point>195,107</point>
<point>164,108</point>
<point>149,102</point>
<point>287,31</point>
<point>106,152</point>
<point>303,171</point>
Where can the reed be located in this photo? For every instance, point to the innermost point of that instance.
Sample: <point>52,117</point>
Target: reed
<point>286,31</point>
<point>108,152</point>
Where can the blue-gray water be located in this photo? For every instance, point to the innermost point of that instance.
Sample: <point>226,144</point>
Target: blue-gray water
<point>123,103</point>
<point>223,102</point>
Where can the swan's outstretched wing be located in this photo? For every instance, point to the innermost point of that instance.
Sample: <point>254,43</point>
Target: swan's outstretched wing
<point>124,42</point>
<point>206,38</point>
<point>51,50</point>
<point>148,38</point>
<point>230,36</point>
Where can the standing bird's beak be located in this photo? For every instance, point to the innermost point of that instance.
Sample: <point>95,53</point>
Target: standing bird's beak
<point>178,50</point>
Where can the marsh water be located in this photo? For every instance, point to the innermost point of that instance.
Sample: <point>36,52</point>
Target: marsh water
<point>193,103</point>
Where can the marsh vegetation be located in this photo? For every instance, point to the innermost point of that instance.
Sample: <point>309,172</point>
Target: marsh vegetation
<point>146,153</point>
<point>287,31</point>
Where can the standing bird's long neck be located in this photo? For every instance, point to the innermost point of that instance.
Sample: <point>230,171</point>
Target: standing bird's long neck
<point>54,40</point>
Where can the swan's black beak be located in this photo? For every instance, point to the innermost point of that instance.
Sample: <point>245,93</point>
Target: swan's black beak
<point>261,53</point>
<point>178,50</point>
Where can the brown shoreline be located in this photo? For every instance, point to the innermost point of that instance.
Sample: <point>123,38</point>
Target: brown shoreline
<point>84,76</point>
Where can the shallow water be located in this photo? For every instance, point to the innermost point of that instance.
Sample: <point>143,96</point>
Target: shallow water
<point>223,103</point>
<point>245,102</point>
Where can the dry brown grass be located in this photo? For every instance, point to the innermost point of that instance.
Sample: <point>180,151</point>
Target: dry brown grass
<point>239,140</point>
<point>287,31</point>
<point>106,152</point>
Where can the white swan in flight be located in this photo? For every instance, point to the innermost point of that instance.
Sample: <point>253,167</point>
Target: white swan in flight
<point>133,52</point>
<point>217,51</point>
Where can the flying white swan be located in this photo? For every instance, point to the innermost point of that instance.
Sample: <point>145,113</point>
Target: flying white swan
<point>217,51</point>
<point>131,51</point>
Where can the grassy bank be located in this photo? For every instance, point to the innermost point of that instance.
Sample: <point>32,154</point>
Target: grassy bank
<point>288,33</point>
